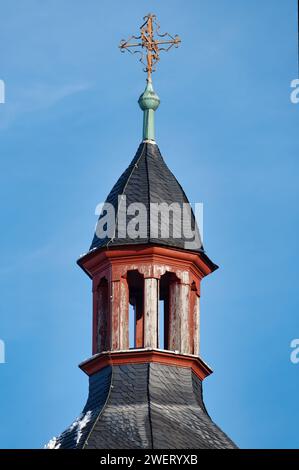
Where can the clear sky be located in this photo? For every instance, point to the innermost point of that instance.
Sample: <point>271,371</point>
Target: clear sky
<point>229,132</point>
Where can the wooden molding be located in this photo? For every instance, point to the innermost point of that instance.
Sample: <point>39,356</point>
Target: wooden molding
<point>199,262</point>
<point>135,356</point>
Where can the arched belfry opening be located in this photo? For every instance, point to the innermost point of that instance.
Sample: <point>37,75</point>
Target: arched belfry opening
<point>166,285</point>
<point>102,319</point>
<point>135,282</point>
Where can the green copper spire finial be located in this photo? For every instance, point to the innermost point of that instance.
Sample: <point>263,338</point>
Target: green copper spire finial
<point>149,102</point>
<point>149,44</point>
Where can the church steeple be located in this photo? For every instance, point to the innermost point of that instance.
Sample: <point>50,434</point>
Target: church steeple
<point>146,258</point>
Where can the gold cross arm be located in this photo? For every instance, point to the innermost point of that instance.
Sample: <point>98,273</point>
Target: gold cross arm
<point>147,45</point>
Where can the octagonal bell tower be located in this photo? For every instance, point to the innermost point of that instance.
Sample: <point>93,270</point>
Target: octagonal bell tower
<point>146,263</point>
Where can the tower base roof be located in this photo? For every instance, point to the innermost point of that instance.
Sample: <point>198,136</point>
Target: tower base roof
<point>144,406</point>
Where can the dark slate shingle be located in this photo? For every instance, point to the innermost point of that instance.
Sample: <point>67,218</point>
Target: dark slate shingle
<point>148,180</point>
<point>146,406</point>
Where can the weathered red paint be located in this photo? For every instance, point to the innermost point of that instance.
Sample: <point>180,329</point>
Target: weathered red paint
<point>124,315</point>
<point>186,270</point>
<point>98,260</point>
<point>192,303</point>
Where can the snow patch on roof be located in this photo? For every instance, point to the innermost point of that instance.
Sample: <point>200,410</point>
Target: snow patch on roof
<point>53,444</point>
<point>80,423</point>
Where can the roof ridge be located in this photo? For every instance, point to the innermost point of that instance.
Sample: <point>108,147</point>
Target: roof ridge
<point>148,197</point>
<point>134,166</point>
<point>101,411</point>
<point>149,404</point>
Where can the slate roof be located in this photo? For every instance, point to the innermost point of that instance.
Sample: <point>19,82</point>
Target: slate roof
<point>148,180</point>
<point>145,406</point>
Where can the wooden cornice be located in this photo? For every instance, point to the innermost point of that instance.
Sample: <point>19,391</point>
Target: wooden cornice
<point>92,260</point>
<point>141,356</point>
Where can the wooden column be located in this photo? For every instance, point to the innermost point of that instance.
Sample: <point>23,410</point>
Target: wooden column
<point>196,324</point>
<point>119,315</point>
<point>115,308</point>
<point>124,315</point>
<point>150,313</point>
<point>174,331</point>
<point>185,315</point>
<point>179,318</point>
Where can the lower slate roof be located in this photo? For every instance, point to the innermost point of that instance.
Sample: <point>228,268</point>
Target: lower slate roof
<point>144,406</point>
<point>148,180</point>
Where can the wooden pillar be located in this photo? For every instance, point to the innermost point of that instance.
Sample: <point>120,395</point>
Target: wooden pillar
<point>114,314</point>
<point>119,315</point>
<point>174,317</point>
<point>179,318</point>
<point>185,315</point>
<point>124,315</point>
<point>196,324</point>
<point>150,313</point>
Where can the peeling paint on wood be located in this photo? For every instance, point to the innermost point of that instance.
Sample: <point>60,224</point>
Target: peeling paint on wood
<point>174,316</point>
<point>196,326</point>
<point>124,315</point>
<point>115,315</point>
<point>184,316</point>
<point>181,305</point>
<point>150,313</point>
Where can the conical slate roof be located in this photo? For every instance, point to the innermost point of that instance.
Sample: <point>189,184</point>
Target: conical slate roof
<point>144,406</point>
<point>149,181</point>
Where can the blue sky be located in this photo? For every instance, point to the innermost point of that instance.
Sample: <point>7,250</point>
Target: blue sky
<point>228,131</point>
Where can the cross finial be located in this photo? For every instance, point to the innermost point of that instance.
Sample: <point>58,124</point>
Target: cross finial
<point>148,43</point>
